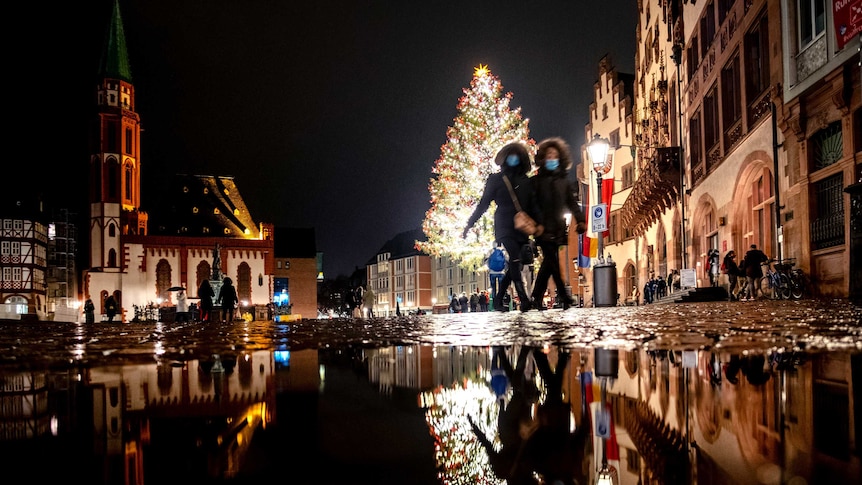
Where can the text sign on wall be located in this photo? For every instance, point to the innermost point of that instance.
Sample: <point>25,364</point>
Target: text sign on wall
<point>847,15</point>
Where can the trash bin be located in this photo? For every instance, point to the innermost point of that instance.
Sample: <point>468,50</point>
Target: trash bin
<point>605,284</point>
<point>607,362</point>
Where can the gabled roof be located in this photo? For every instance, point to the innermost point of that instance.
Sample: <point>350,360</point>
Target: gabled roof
<point>403,244</point>
<point>114,63</point>
<point>202,205</point>
<point>295,242</point>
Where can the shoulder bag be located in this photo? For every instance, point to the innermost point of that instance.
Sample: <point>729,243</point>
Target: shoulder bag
<point>523,221</point>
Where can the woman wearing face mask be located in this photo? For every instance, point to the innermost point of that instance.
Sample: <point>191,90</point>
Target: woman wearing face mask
<point>514,162</point>
<point>557,195</point>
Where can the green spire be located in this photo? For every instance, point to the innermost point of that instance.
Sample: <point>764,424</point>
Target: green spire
<point>115,58</point>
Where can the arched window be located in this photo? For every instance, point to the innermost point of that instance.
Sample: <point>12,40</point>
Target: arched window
<point>202,273</point>
<point>112,230</point>
<point>163,279</point>
<point>19,302</point>
<point>112,258</point>
<point>630,280</point>
<point>128,183</point>
<point>243,282</point>
<point>113,179</point>
<point>758,217</point>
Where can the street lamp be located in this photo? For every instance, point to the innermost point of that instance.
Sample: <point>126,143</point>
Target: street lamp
<point>598,150</point>
<point>604,270</point>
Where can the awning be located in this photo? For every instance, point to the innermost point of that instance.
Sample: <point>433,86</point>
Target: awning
<point>655,190</point>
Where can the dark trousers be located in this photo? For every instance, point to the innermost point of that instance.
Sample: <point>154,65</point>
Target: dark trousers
<point>227,314</point>
<point>550,268</point>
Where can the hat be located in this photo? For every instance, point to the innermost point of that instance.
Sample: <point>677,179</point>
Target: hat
<point>517,148</point>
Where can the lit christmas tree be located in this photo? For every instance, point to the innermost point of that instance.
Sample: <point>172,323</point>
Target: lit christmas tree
<point>483,125</point>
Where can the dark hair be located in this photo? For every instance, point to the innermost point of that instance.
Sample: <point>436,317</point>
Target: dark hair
<point>561,146</point>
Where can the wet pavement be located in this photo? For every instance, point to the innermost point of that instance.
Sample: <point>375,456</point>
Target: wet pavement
<point>718,392</point>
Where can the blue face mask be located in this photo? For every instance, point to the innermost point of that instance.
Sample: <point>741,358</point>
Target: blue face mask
<point>513,160</point>
<point>552,164</point>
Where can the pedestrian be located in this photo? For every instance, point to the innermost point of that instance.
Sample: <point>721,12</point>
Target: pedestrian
<point>368,298</point>
<point>111,308</point>
<point>464,302</point>
<point>712,257</point>
<point>89,311</point>
<point>647,292</point>
<point>228,299</point>
<point>514,162</point>
<point>731,269</point>
<point>182,307</point>
<point>474,301</point>
<point>483,301</point>
<point>753,271</point>
<point>454,304</point>
<point>661,287</point>
<point>498,262</point>
<point>206,295</point>
<point>557,196</point>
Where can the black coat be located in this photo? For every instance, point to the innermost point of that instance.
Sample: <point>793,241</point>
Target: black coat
<point>556,195</point>
<point>504,218</point>
<point>753,259</point>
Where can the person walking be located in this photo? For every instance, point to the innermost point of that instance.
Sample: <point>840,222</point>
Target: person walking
<point>464,302</point>
<point>228,299</point>
<point>206,295</point>
<point>753,271</point>
<point>514,162</point>
<point>732,270</point>
<point>89,311</point>
<point>111,308</point>
<point>498,261</point>
<point>557,196</point>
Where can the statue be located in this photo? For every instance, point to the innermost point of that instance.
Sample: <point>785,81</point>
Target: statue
<point>217,263</point>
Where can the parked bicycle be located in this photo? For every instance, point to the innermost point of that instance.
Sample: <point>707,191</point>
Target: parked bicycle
<point>796,277</point>
<point>774,284</point>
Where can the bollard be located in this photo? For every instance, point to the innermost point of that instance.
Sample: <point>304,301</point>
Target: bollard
<point>605,284</point>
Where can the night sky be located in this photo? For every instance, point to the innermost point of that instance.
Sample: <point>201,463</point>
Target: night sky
<point>329,114</point>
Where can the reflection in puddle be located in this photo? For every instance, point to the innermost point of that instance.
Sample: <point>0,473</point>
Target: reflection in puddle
<point>441,414</point>
<point>501,414</point>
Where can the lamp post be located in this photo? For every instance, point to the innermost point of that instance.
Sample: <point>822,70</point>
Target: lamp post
<point>598,150</point>
<point>607,365</point>
<point>604,271</point>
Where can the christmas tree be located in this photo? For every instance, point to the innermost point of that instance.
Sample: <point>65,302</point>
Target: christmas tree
<point>483,125</point>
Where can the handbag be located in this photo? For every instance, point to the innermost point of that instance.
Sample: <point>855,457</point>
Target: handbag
<point>523,221</point>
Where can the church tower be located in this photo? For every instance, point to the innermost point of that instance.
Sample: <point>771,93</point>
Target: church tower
<point>115,162</point>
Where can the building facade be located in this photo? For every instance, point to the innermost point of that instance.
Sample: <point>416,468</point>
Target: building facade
<point>746,132</point>
<point>23,260</point>
<point>400,276</point>
<point>207,233</point>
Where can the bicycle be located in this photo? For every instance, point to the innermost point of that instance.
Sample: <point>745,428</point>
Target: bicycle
<point>774,284</point>
<point>796,277</point>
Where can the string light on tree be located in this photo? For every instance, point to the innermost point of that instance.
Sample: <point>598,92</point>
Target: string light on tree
<point>484,124</point>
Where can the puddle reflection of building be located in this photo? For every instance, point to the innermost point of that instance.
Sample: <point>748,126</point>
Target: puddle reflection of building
<point>112,416</point>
